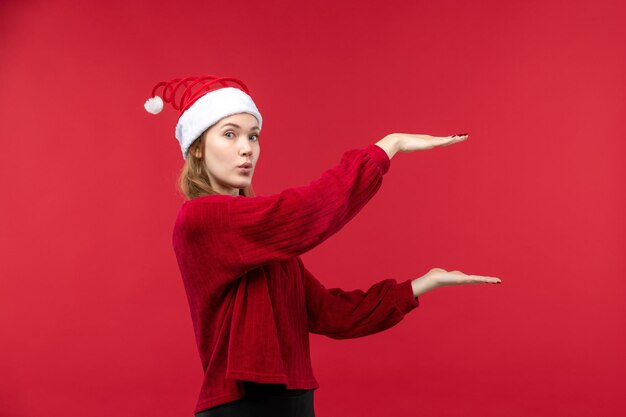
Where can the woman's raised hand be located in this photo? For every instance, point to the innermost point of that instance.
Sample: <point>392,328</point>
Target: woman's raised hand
<point>407,142</point>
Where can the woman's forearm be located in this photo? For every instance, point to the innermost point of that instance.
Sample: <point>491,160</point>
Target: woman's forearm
<point>422,284</point>
<point>389,144</point>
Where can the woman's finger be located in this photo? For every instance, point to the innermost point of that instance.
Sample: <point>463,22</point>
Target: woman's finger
<point>449,140</point>
<point>483,279</point>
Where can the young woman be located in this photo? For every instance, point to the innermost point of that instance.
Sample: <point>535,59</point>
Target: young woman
<point>253,302</point>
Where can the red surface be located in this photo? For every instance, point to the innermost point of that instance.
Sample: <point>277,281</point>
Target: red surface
<point>93,315</point>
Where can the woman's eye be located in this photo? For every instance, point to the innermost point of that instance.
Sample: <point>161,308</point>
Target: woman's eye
<point>256,137</point>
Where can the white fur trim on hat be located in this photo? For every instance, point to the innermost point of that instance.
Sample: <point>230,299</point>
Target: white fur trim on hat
<point>209,109</point>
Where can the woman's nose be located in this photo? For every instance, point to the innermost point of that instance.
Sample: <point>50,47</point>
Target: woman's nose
<point>245,146</point>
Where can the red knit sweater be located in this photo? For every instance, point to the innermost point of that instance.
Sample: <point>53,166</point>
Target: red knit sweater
<point>252,301</point>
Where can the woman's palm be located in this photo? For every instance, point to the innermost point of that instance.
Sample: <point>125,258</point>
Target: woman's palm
<point>417,142</point>
<point>441,277</point>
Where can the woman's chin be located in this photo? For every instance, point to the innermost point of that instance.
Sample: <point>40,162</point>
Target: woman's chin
<point>243,184</point>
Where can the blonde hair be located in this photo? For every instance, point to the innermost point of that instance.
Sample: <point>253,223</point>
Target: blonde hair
<point>193,180</point>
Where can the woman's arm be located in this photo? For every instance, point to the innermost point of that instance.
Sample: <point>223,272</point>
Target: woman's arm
<point>242,233</point>
<point>345,314</point>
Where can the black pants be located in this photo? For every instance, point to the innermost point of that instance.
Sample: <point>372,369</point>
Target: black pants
<point>266,400</point>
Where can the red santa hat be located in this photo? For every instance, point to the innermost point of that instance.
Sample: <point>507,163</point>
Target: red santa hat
<point>202,103</point>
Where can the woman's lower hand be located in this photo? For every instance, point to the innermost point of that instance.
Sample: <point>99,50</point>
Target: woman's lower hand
<point>438,277</point>
<point>441,277</point>
<point>407,142</point>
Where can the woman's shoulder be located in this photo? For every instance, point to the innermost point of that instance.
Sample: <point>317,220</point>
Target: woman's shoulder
<point>208,199</point>
<point>206,202</point>
<point>205,211</point>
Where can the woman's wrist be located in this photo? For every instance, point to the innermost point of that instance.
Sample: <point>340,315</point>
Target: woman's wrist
<point>422,285</point>
<point>389,144</point>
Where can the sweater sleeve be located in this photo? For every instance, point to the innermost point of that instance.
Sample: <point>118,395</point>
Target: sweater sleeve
<point>248,232</point>
<point>341,314</point>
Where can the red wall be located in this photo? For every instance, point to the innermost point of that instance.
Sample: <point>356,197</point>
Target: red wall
<point>93,315</point>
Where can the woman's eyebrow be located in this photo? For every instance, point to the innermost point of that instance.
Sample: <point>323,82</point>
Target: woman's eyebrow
<point>239,127</point>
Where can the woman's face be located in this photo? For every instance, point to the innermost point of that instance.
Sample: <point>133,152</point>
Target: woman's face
<point>231,142</point>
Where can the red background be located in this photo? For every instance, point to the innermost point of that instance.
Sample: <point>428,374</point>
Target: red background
<point>93,314</point>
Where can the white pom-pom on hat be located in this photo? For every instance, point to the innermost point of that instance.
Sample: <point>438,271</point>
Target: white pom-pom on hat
<point>154,105</point>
